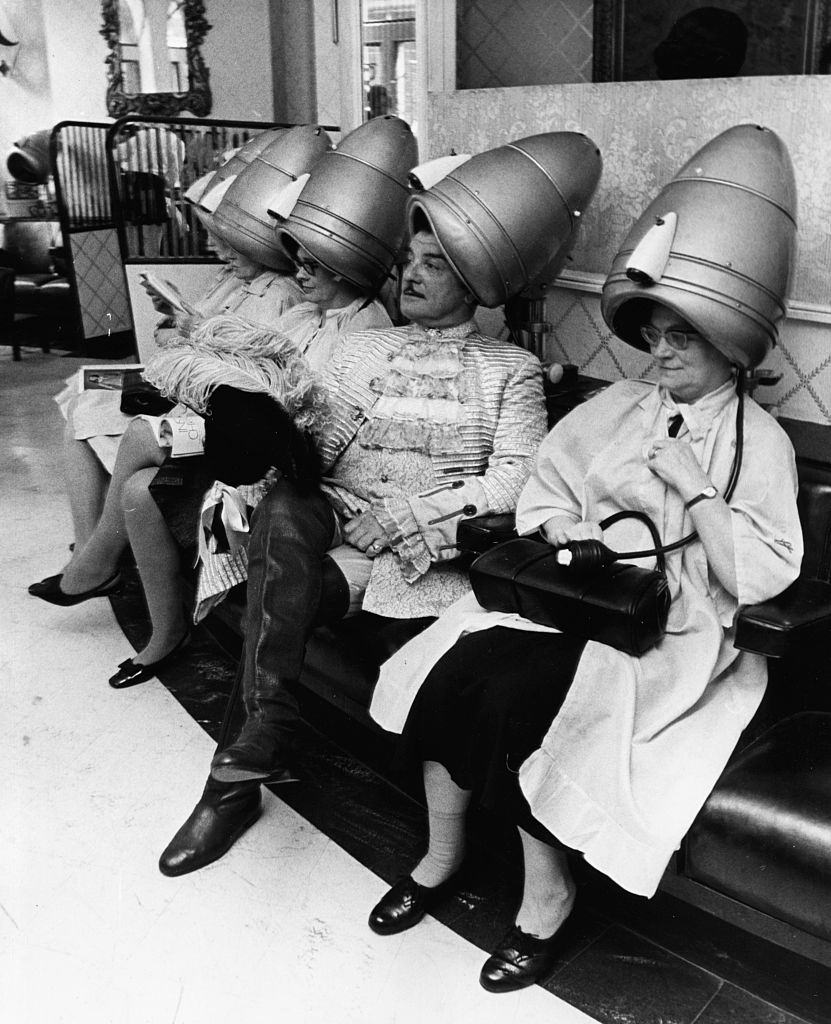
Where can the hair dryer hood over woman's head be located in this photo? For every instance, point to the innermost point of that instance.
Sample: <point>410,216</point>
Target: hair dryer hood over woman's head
<point>716,246</point>
<point>350,214</point>
<point>506,218</point>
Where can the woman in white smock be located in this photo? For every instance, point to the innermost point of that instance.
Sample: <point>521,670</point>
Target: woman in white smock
<point>586,748</point>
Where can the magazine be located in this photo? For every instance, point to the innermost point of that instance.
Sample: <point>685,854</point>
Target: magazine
<point>182,430</point>
<point>168,291</point>
<point>110,377</point>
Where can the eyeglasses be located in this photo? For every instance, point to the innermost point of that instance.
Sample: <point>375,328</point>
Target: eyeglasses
<point>675,339</point>
<point>309,267</point>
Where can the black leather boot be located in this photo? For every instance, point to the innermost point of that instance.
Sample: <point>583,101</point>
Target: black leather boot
<point>290,583</point>
<point>220,817</point>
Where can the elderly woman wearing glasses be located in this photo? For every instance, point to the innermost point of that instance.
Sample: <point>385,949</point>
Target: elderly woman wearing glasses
<point>586,748</point>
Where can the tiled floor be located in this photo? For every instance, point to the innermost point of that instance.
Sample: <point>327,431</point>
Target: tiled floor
<point>96,782</point>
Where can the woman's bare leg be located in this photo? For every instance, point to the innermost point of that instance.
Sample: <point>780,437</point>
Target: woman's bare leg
<point>157,560</point>
<point>98,559</point>
<point>446,808</point>
<point>86,487</point>
<point>548,890</point>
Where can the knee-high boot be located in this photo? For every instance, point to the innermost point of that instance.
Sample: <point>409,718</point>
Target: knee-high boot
<point>289,538</point>
<point>226,810</point>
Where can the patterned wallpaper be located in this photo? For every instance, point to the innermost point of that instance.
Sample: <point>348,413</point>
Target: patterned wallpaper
<point>645,131</point>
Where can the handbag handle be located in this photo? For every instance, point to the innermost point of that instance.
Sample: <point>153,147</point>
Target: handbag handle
<point>658,550</point>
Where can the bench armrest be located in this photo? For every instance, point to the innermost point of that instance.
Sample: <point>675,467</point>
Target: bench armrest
<point>798,618</point>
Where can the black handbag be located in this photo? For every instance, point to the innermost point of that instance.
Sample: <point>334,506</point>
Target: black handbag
<point>138,397</point>
<point>612,602</point>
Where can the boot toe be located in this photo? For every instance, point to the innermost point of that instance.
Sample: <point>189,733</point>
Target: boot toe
<point>208,833</point>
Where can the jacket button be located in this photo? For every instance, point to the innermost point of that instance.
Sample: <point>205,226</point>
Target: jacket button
<point>390,357</point>
<point>469,510</point>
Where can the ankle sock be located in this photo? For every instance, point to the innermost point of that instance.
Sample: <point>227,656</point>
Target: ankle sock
<point>445,851</point>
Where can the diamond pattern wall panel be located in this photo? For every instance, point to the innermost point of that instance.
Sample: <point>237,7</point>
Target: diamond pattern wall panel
<point>102,292</point>
<point>523,42</point>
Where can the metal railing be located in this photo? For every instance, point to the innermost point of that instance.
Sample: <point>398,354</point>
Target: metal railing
<point>152,163</point>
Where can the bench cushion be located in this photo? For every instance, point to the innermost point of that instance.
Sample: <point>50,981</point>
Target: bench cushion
<point>764,835</point>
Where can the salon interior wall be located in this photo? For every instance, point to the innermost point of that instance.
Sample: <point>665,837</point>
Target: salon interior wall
<point>645,131</point>
<point>237,51</point>
<point>57,71</point>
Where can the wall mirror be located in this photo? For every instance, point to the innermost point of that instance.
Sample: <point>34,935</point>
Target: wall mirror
<point>637,40</point>
<point>502,43</point>
<point>155,66</point>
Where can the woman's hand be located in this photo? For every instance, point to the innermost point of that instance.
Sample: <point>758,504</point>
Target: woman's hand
<point>366,533</point>
<point>674,462</point>
<point>561,530</point>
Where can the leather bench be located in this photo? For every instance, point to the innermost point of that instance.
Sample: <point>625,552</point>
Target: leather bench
<point>764,836</point>
<point>759,854</point>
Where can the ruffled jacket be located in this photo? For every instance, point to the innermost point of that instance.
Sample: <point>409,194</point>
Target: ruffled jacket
<point>481,427</point>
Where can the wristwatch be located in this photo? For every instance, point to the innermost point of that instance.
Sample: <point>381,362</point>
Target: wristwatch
<point>708,492</point>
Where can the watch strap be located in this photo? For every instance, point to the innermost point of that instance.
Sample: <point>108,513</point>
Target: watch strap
<point>708,492</point>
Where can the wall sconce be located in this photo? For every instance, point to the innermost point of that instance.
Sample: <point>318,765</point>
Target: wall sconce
<point>5,68</point>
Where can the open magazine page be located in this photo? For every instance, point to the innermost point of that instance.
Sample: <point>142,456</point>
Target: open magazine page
<point>108,377</point>
<point>168,291</point>
<point>182,430</point>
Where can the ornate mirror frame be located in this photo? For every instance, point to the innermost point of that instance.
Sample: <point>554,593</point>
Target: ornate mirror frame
<point>197,100</point>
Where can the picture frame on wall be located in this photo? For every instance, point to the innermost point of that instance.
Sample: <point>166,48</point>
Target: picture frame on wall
<point>637,40</point>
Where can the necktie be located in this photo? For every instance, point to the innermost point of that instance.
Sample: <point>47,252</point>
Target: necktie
<point>674,425</point>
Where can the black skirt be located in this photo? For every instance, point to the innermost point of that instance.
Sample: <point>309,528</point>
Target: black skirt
<point>178,489</point>
<point>485,707</point>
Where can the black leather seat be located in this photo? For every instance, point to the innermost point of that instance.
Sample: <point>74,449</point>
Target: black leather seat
<point>764,836</point>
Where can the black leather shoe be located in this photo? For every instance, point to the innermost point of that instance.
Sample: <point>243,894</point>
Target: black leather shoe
<point>222,815</point>
<point>50,590</point>
<point>131,673</point>
<point>404,906</point>
<point>521,960</point>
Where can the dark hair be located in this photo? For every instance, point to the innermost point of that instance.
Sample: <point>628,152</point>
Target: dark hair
<point>708,42</point>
